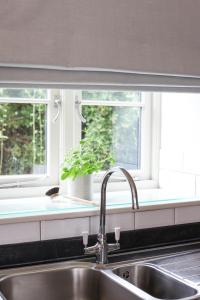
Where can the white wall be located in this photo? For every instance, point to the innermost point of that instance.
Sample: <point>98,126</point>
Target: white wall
<point>180,143</point>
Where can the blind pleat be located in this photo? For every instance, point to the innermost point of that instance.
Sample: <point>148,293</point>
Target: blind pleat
<point>29,77</point>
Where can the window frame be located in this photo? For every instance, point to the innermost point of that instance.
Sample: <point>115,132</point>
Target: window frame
<point>25,181</point>
<point>147,176</point>
<point>60,141</point>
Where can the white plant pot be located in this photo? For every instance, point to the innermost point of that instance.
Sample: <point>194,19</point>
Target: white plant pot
<point>81,187</point>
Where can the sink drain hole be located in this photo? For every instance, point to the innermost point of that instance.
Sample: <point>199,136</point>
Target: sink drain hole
<point>126,274</point>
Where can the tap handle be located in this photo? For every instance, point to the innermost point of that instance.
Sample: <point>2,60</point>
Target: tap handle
<point>117,234</point>
<point>85,238</point>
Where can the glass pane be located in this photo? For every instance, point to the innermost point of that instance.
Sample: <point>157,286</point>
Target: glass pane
<point>119,131</point>
<point>23,93</point>
<point>112,95</point>
<point>22,138</point>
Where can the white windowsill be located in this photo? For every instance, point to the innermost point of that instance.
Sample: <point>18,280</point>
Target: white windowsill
<point>45,208</point>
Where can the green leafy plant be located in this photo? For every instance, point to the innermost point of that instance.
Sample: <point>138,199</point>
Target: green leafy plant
<point>91,156</point>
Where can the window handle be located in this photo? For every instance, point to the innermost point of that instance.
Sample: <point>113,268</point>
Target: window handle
<point>78,108</point>
<point>57,104</point>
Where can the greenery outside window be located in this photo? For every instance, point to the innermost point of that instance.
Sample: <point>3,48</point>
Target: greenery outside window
<point>120,120</point>
<point>25,137</point>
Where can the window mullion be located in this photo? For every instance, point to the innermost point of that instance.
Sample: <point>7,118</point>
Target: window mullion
<point>53,139</point>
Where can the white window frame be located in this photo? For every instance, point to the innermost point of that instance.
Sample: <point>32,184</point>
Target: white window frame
<point>65,134</point>
<point>7,182</point>
<point>147,176</point>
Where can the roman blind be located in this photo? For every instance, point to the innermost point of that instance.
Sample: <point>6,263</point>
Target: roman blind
<point>68,42</point>
<point>27,77</point>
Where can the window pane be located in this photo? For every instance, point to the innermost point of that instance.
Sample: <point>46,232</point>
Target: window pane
<point>23,93</point>
<point>112,95</point>
<point>22,138</point>
<point>118,129</point>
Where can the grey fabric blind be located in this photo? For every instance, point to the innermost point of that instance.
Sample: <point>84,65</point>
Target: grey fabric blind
<point>41,41</point>
<point>95,80</point>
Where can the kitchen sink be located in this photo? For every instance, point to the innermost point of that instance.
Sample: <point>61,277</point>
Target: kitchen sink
<point>73,283</point>
<point>155,282</point>
<point>88,281</point>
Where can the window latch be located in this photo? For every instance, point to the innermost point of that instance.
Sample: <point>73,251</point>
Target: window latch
<point>78,108</point>
<point>57,104</point>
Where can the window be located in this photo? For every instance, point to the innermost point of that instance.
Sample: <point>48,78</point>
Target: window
<point>154,135</point>
<point>26,137</point>
<point>38,127</point>
<point>121,120</point>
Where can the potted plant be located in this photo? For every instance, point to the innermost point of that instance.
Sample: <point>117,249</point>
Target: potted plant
<point>90,157</point>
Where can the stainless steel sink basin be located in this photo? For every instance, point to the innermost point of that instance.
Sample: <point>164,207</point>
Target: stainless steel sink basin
<point>155,282</point>
<point>83,281</point>
<point>73,283</point>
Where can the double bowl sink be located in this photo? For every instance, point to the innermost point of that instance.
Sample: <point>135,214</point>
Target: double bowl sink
<point>85,281</point>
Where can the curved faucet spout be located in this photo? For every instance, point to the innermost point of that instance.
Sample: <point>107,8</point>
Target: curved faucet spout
<point>134,194</point>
